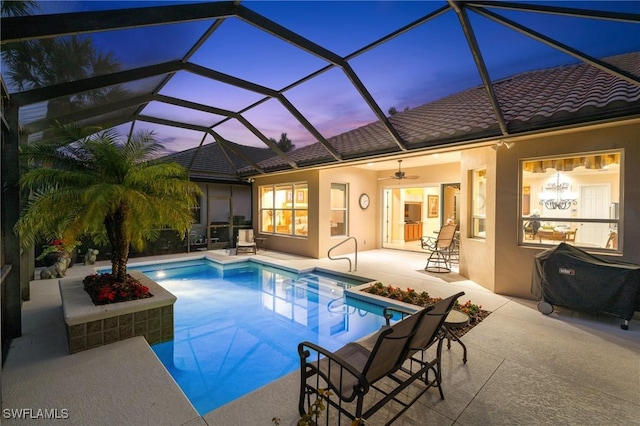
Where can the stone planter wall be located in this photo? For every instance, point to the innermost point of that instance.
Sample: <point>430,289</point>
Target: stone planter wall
<point>89,326</point>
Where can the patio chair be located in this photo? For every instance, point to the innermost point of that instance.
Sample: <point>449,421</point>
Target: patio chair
<point>246,242</point>
<point>396,352</point>
<point>441,249</point>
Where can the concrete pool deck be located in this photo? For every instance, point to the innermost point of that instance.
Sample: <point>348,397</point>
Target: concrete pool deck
<point>523,368</point>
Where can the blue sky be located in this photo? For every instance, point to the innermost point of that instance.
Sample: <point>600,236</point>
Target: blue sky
<point>422,65</point>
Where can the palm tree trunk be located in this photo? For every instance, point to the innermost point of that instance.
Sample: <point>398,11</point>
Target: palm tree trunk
<point>116,224</point>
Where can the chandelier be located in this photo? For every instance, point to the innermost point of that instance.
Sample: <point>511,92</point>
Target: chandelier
<point>556,197</point>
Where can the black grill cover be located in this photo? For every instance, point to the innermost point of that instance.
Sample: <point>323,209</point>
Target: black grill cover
<point>568,276</point>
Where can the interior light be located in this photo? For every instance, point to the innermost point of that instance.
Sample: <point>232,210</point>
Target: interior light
<point>558,196</point>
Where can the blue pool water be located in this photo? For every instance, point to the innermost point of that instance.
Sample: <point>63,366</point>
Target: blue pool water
<point>237,327</point>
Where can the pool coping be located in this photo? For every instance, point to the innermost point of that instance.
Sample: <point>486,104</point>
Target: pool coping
<point>222,262</point>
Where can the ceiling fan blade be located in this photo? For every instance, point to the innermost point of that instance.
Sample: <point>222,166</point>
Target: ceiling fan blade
<point>399,175</point>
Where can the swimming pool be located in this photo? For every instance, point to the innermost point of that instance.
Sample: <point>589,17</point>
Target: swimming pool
<point>237,326</point>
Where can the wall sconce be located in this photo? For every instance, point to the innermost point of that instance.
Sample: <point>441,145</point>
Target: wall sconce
<point>500,143</point>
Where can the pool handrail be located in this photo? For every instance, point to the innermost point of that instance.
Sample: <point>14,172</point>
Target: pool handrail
<point>347,258</point>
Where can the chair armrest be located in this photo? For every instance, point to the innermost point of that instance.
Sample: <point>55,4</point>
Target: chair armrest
<point>428,242</point>
<point>303,351</point>
<point>388,311</point>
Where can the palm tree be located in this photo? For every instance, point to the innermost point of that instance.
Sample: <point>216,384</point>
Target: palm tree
<point>33,64</point>
<point>41,63</point>
<point>94,184</point>
<point>18,8</point>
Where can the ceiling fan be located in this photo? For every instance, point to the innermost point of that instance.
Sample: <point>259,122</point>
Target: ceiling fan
<point>399,175</point>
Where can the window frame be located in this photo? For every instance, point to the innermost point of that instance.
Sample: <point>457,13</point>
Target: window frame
<point>615,224</point>
<point>284,213</point>
<point>344,187</point>
<point>478,196</point>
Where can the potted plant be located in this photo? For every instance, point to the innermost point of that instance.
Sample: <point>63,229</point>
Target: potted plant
<point>56,249</point>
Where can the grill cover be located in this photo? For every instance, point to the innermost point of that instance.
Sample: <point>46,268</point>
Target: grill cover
<point>567,276</point>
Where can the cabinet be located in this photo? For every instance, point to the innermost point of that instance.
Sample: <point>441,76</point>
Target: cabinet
<point>412,231</point>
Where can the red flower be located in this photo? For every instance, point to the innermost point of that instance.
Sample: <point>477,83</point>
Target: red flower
<point>105,289</point>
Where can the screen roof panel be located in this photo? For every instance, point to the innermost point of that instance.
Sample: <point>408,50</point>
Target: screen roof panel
<point>319,71</point>
<point>331,103</point>
<point>420,66</point>
<point>273,119</point>
<point>179,113</point>
<point>195,88</point>
<point>343,26</point>
<point>238,48</point>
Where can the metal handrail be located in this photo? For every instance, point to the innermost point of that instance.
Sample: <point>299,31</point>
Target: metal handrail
<point>340,258</point>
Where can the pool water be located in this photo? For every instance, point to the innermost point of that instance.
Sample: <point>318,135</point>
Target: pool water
<point>237,327</point>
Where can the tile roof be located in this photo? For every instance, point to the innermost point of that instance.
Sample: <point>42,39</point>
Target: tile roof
<point>218,162</point>
<point>534,100</point>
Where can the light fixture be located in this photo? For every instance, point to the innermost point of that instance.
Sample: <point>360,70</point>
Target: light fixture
<point>555,197</point>
<point>501,142</point>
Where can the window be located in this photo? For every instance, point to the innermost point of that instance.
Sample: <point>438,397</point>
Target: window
<point>339,211</point>
<point>284,209</point>
<point>478,207</point>
<point>574,199</point>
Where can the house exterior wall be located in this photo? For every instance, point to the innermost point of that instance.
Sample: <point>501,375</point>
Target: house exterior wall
<point>304,246</point>
<point>477,255</point>
<point>363,224</point>
<point>497,262</point>
<point>514,263</point>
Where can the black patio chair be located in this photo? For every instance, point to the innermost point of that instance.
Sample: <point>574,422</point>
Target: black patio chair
<point>397,352</point>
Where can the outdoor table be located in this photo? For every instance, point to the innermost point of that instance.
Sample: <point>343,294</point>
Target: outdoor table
<point>454,320</point>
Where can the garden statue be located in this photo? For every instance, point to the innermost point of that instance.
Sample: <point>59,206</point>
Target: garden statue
<point>90,257</point>
<point>57,270</point>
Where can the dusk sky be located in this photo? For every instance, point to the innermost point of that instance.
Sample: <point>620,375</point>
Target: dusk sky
<point>422,65</point>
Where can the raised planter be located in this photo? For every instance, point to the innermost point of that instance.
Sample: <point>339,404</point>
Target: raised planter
<point>89,326</point>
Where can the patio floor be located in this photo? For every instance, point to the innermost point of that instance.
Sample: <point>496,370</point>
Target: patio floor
<point>524,367</point>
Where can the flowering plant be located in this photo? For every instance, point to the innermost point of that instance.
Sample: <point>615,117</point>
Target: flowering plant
<point>468,308</point>
<point>104,289</point>
<point>409,295</point>
<point>420,299</point>
<point>58,246</point>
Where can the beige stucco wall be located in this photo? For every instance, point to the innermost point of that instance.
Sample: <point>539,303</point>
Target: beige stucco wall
<point>362,223</point>
<point>514,263</point>
<point>298,245</point>
<point>477,255</point>
<point>497,262</point>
